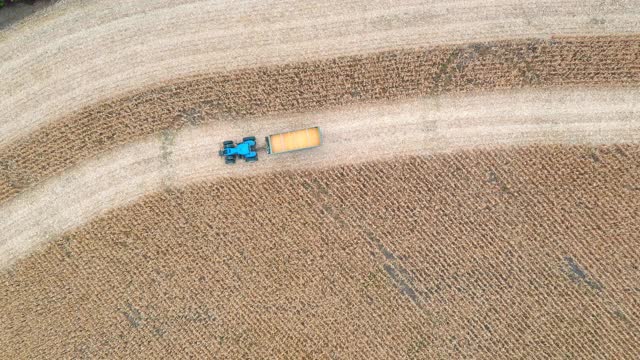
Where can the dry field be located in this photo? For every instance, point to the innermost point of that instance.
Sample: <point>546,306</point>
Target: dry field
<point>477,194</point>
<point>528,252</point>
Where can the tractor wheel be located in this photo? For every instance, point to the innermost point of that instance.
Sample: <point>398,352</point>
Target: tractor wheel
<point>251,159</point>
<point>249,138</point>
<point>227,143</point>
<point>229,161</point>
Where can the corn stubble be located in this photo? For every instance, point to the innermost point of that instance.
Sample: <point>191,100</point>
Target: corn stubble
<point>528,252</point>
<point>585,61</point>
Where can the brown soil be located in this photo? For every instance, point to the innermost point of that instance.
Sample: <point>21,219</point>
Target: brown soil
<point>314,85</point>
<point>528,252</point>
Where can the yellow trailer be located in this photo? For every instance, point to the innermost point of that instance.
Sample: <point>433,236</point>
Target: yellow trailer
<point>293,140</point>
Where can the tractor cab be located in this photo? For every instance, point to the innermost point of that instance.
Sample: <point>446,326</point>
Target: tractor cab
<point>246,149</point>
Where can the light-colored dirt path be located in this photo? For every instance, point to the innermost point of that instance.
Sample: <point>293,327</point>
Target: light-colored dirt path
<point>78,52</point>
<point>356,134</point>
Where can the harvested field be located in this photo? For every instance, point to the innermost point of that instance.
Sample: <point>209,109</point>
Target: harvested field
<point>476,194</point>
<point>527,252</point>
<point>595,61</point>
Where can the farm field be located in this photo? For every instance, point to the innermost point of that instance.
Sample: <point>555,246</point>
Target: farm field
<point>476,193</point>
<point>294,264</point>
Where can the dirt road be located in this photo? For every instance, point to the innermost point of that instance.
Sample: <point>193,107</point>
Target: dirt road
<point>95,51</point>
<point>355,134</point>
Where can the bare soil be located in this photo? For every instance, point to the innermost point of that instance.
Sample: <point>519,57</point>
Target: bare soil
<point>528,252</point>
<point>584,61</point>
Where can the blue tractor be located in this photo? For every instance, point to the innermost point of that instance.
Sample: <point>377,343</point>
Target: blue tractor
<point>246,149</point>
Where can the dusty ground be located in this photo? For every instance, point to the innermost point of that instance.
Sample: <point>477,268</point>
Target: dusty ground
<point>529,252</point>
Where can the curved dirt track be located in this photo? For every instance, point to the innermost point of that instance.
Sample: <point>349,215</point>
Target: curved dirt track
<point>95,51</point>
<point>313,86</point>
<point>355,134</point>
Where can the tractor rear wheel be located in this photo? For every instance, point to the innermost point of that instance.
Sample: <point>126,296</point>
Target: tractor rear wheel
<point>227,143</point>
<point>249,138</point>
<point>229,161</point>
<point>251,159</point>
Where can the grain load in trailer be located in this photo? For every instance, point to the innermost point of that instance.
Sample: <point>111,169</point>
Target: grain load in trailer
<point>294,140</point>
